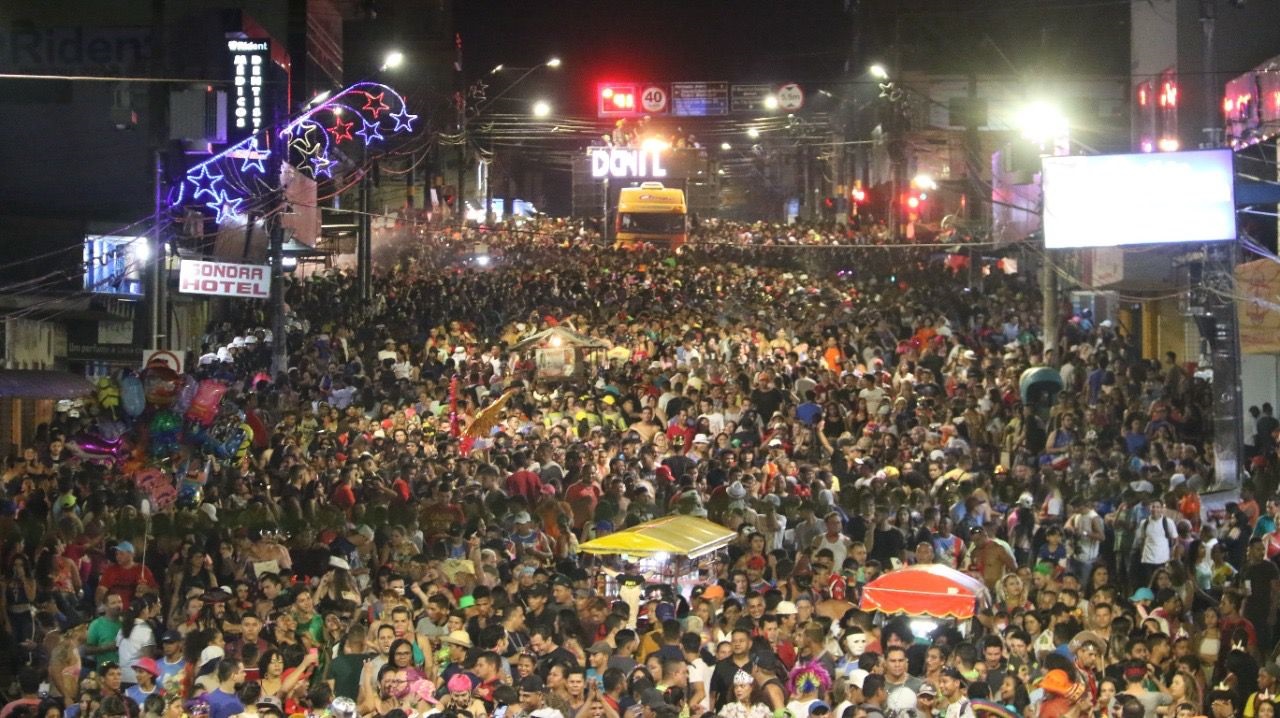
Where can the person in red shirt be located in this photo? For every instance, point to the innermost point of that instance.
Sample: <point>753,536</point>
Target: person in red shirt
<point>524,482</point>
<point>126,576</point>
<point>343,496</point>
<point>583,496</point>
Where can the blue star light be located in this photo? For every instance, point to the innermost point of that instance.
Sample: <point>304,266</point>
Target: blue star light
<point>198,179</point>
<point>370,131</point>
<point>404,120</point>
<point>253,157</point>
<point>226,207</point>
<point>323,166</point>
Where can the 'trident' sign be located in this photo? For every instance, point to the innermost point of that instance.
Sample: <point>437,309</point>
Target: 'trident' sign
<point>621,162</point>
<point>248,62</point>
<point>222,279</point>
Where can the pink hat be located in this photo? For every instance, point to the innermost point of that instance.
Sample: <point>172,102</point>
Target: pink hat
<point>459,684</point>
<point>148,665</point>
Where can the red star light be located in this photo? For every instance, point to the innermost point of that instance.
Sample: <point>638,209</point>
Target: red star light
<point>375,104</point>
<point>341,130</point>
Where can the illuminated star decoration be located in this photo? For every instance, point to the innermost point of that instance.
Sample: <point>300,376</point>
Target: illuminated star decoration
<point>342,130</point>
<point>304,143</point>
<point>373,108</point>
<point>370,131</point>
<point>322,166</point>
<point>404,120</point>
<point>253,157</point>
<point>227,207</point>
<point>211,188</point>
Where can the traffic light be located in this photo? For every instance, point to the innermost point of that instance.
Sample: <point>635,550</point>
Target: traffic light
<point>616,99</point>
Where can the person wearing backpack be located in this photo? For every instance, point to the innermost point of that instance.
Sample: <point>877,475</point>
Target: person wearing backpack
<point>1153,542</point>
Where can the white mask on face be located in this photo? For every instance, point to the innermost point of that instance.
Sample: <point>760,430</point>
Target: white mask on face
<point>856,644</point>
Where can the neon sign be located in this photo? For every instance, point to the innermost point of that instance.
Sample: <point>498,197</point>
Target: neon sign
<point>621,162</point>
<point>248,60</point>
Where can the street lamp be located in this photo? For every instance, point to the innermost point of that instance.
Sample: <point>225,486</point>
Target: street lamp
<point>878,71</point>
<point>541,108</point>
<point>771,102</point>
<point>725,146</point>
<point>753,133</point>
<point>1041,122</point>
<point>394,59</point>
<point>553,63</point>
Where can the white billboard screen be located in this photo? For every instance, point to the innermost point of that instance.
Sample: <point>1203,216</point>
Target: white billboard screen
<point>1159,198</point>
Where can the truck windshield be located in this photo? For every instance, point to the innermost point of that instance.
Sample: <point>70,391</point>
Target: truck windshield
<point>651,223</point>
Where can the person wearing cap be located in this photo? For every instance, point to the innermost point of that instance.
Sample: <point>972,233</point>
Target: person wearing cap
<point>125,576</point>
<point>532,696</point>
<point>529,540</point>
<point>172,660</point>
<point>952,685</point>
<point>926,699</point>
<point>460,697</point>
<point>147,672</point>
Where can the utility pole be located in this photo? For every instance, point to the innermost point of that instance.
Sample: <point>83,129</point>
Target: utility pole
<point>156,269</point>
<point>1208,14</point>
<point>364,252</point>
<point>973,147</point>
<point>1049,299</point>
<point>279,334</point>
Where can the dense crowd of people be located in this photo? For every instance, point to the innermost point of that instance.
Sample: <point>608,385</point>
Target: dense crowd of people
<point>364,548</point>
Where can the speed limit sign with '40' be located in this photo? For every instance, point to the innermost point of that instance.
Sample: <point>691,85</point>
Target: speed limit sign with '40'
<point>654,99</point>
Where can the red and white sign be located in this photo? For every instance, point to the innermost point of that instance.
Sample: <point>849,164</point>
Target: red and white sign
<point>162,357</point>
<point>790,97</point>
<point>654,99</point>
<point>223,279</point>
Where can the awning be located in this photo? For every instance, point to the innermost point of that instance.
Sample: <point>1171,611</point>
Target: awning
<point>35,384</point>
<point>930,590</point>
<point>673,535</point>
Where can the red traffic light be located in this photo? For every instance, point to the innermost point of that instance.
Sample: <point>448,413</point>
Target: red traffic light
<point>616,100</point>
<point>913,202</point>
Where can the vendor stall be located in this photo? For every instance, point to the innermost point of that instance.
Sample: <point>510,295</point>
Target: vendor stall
<point>667,550</point>
<point>562,354</point>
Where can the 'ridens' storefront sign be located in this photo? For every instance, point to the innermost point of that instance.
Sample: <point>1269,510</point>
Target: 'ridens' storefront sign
<point>222,279</point>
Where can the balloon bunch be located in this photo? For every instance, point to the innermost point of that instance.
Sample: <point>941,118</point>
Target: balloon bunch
<point>141,431</point>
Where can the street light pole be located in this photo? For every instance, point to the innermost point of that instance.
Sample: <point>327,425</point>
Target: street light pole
<point>279,335</point>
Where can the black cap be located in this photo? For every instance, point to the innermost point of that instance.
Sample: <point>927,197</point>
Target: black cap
<point>954,673</point>
<point>562,580</point>
<point>531,684</point>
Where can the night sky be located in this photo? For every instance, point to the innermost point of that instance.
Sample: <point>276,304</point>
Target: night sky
<point>806,41</point>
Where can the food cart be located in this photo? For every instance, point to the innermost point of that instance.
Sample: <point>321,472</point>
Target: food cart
<point>562,354</point>
<point>672,550</point>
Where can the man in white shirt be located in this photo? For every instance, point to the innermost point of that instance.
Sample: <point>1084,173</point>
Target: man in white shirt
<point>1154,540</point>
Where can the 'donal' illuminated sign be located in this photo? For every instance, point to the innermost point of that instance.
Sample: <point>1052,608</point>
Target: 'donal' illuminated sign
<point>626,163</point>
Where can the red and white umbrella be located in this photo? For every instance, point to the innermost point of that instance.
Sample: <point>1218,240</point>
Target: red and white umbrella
<point>931,590</point>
